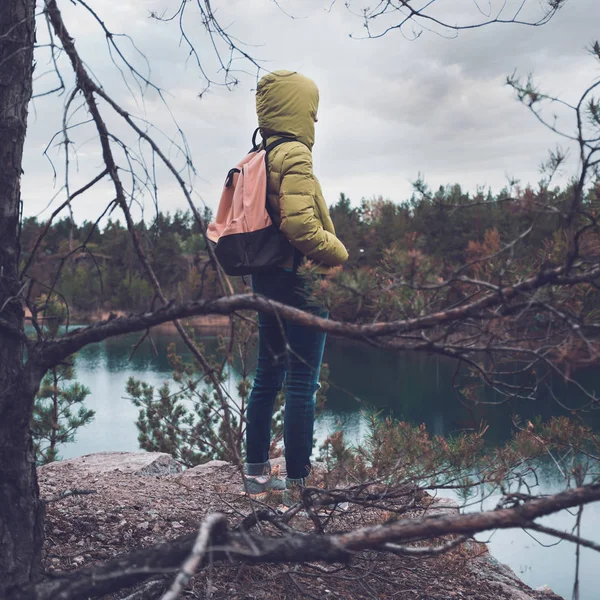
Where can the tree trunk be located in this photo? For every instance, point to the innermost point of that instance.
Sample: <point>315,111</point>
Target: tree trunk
<point>21,512</point>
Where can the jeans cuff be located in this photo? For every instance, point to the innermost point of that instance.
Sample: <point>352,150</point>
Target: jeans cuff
<point>299,474</point>
<point>256,469</point>
<point>290,483</point>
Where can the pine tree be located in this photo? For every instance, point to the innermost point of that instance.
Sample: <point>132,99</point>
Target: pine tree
<point>58,410</point>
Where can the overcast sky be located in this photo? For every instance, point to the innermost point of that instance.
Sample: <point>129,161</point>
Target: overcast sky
<point>390,108</point>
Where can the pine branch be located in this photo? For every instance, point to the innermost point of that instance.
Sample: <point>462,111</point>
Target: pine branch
<point>51,352</point>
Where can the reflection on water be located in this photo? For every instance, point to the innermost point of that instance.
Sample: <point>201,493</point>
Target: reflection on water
<point>412,387</point>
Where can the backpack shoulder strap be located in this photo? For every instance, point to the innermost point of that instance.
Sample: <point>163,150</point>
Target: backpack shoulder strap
<point>279,141</point>
<point>276,143</point>
<point>256,146</point>
<point>298,256</point>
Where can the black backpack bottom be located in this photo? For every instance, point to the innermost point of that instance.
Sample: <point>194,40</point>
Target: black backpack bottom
<point>254,252</point>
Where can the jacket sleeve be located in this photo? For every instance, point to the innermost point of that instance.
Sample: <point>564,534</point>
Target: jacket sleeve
<point>297,209</point>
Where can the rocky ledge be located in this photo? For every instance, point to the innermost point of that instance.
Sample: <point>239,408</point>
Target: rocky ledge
<point>140,499</point>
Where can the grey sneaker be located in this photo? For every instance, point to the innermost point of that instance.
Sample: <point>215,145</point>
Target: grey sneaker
<point>293,491</point>
<point>258,485</point>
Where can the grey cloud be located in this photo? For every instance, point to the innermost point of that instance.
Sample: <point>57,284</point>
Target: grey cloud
<point>390,108</point>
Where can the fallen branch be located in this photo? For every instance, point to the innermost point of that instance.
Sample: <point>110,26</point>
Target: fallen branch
<point>150,587</point>
<point>425,550</point>
<point>94,582</point>
<point>211,527</point>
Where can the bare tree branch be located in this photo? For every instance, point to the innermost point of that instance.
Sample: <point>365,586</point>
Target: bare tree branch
<point>420,13</point>
<point>70,343</point>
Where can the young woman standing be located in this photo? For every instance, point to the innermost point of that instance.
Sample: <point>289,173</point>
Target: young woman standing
<point>286,105</point>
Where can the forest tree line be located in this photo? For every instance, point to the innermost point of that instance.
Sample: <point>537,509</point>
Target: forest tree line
<point>95,268</point>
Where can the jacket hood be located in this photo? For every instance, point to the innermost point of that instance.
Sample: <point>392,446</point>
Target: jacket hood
<point>286,105</point>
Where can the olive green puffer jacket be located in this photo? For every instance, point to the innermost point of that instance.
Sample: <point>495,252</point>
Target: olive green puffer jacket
<point>286,105</point>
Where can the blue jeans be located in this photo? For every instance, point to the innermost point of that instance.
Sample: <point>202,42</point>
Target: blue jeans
<point>291,352</point>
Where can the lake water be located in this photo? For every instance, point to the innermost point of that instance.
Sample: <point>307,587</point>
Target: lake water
<point>412,387</point>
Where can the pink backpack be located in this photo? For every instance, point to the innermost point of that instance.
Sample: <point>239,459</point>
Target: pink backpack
<point>244,237</point>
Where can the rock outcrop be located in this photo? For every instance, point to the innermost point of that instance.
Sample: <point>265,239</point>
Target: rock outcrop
<point>133,463</point>
<point>140,499</point>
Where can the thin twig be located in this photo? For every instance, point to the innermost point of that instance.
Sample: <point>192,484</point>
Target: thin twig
<point>66,494</point>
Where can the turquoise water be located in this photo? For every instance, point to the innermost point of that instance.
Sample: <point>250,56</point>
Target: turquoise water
<point>413,387</point>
